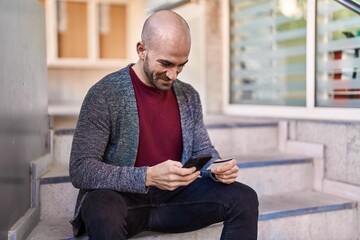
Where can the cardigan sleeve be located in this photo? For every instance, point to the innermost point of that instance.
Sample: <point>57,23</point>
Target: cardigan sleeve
<point>202,143</point>
<point>87,167</point>
<point>196,135</point>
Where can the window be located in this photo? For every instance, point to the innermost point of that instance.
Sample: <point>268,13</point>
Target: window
<point>293,59</point>
<point>338,62</point>
<point>112,31</point>
<point>86,32</point>
<point>268,48</point>
<point>72,34</point>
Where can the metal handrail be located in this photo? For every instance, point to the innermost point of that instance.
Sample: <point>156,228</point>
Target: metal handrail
<point>350,4</point>
<point>168,5</point>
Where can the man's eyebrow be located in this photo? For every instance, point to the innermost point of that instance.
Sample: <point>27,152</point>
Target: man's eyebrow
<point>184,63</point>
<point>170,63</point>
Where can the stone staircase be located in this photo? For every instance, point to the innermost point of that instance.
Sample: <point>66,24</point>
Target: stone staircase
<point>285,174</point>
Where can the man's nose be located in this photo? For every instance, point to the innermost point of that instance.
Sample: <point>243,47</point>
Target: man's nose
<point>172,73</point>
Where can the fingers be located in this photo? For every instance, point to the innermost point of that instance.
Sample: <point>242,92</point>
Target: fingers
<point>228,173</point>
<point>175,167</point>
<point>174,181</point>
<point>227,179</point>
<point>228,168</point>
<point>170,175</point>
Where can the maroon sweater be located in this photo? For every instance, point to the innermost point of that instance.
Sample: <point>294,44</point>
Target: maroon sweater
<point>160,129</point>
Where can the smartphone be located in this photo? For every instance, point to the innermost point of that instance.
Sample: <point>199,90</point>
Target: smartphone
<point>198,161</point>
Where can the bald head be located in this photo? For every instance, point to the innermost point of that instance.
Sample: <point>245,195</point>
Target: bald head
<point>165,26</point>
<point>163,50</point>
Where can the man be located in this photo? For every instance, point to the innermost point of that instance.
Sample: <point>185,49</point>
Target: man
<point>136,129</point>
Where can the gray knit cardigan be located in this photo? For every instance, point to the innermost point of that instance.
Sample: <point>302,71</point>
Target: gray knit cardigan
<point>106,138</point>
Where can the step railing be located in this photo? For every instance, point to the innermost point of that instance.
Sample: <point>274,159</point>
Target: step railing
<point>350,4</point>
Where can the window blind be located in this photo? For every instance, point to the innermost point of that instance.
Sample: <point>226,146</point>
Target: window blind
<point>338,62</point>
<point>267,52</point>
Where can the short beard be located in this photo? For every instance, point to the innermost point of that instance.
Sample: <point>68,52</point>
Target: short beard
<point>151,79</point>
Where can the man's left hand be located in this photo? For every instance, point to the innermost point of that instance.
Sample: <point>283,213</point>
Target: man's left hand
<point>227,173</point>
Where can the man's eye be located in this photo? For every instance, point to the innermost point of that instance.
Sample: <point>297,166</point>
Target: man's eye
<point>165,64</point>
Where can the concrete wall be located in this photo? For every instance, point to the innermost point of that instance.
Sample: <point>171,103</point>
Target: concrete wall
<point>204,71</point>
<point>342,147</point>
<point>214,15</point>
<point>23,104</point>
<point>194,72</point>
<point>70,85</point>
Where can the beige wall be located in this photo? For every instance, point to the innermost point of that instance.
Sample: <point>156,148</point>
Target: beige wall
<point>214,55</point>
<point>69,85</point>
<point>205,68</point>
<point>194,71</point>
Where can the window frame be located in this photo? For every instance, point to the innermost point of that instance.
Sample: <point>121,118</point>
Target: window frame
<point>93,59</point>
<point>310,111</point>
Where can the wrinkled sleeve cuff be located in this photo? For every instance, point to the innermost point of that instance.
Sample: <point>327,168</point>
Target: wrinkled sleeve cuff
<point>209,174</point>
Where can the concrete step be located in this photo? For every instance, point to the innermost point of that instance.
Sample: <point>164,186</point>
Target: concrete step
<point>57,194</point>
<point>229,135</point>
<point>233,135</point>
<point>274,172</point>
<point>62,146</point>
<point>300,215</point>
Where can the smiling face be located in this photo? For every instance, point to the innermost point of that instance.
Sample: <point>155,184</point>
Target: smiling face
<point>163,55</point>
<point>162,66</point>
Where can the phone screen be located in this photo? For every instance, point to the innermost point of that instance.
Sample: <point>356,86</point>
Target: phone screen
<point>198,161</point>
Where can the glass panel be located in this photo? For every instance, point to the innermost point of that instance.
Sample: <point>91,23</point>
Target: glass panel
<point>112,27</point>
<point>72,29</point>
<point>267,52</point>
<point>338,62</point>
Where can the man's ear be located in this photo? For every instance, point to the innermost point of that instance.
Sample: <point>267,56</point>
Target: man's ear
<point>140,48</point>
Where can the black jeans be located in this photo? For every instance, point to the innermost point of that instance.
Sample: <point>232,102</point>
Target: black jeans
<point>109,214</point>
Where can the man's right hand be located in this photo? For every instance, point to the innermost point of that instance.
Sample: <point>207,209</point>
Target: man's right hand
<point>170,175</point>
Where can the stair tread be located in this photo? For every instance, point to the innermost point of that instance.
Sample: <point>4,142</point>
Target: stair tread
<point>56,174</point>
<point>270,159</point>
<point>300,203</point>
<point>271,207</point>
<point>214,121</point>
<point>57,171</point>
